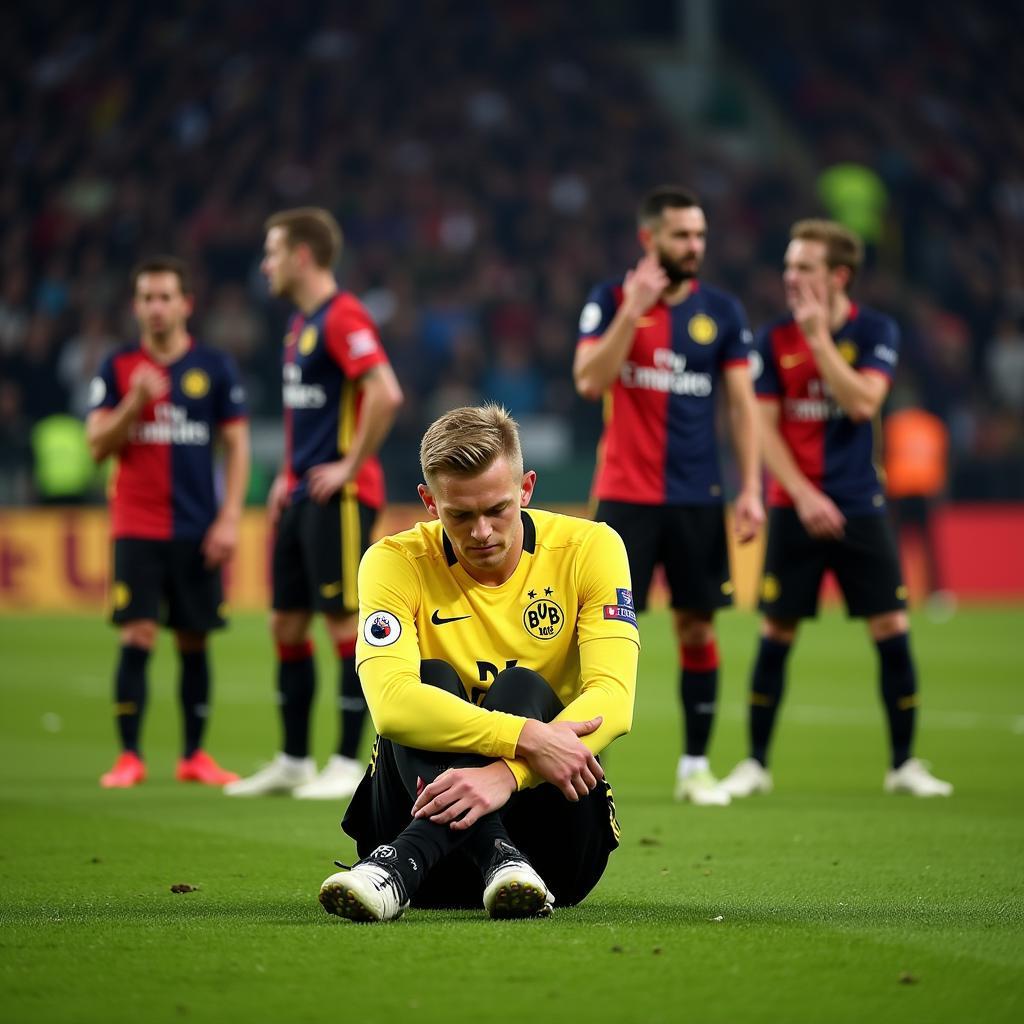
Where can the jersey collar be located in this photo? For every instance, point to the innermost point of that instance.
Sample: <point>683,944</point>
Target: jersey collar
<point>529,540</point>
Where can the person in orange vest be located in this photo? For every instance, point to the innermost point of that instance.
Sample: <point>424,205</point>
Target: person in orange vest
<point>916,457</point>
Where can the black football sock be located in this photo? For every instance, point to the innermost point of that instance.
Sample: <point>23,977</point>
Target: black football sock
<point>419,848</point>
<point>766,688</point>
<point>194,692</point>
<point>130,694</point>
<point>296,680</point>
<point>899,693</point>
<point>698,688</point>
<point>351,704</point>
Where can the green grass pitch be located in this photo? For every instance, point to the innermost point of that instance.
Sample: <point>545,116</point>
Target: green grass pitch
<point>824,902</point>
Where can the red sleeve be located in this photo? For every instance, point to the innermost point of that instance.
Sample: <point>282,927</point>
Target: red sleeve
<point>351,337</point>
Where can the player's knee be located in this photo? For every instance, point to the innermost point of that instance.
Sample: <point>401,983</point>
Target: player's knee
<point>141,633</point>
<point>890,624</point>
<point>435,672</point>
<point>782,631</point>
<point>289,627</point>
<point>341,627</point>
<point>189,642</point>
<point>694,629</point>
<point>522,691</point>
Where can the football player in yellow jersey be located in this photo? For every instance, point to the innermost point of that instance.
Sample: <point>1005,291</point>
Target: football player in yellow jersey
<point>498,652</point>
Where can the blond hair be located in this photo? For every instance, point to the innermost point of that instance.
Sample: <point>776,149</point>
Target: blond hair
<point>466,441</point>
<point>842,247</point>
<point>311,226</point>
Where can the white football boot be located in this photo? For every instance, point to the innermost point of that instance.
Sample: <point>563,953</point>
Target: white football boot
<point>512,888</point>
<point>281,777</point>
<point>746,779</point>
<point>370,891</point>
<point>700,788</point>
<point>338,781</point>
<point>914,778</point>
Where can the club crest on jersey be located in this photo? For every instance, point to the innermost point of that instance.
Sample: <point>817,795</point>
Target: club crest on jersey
<point>307,340</point>
<point>702,329</point>
<point>848,350</point>
<point>195,383</point>
<point>543,619</point>
<point>381,629</point>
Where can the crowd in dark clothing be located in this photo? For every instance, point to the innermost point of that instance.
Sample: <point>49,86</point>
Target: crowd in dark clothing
<point>485,161</point>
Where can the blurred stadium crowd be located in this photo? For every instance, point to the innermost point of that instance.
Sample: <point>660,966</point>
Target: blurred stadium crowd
<point>485,161</point>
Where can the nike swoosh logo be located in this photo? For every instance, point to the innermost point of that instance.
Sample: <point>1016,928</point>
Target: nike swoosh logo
<point>330,589</point>
<point>788,362</point>
<point>438,621</point>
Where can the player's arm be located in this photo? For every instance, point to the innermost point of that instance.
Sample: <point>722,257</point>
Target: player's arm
<point>381,396</point>
<point>598,361</point>
<point>108,430</point>
<point>859,394</point>
<point>819,514</point>
<point>222,537</point>
<point>748,514</point>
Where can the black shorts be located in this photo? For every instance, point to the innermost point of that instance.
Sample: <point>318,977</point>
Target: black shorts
<point>567,843</point>
<point>316,555</point>
<point>865,561</point>
<point>688,540</point>
<point>166,581</point>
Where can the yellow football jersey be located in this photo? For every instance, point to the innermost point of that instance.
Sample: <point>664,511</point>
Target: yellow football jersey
<point>566,612</point>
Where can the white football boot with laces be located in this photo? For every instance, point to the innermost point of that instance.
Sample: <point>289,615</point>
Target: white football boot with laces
<point>512,888</point>
<point>914,778</point>
<point>368,892</point>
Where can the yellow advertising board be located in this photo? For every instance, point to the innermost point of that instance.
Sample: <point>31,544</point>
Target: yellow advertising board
<point>57,559</point>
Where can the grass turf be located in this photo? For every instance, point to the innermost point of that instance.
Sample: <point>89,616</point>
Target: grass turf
<point>826,901</point>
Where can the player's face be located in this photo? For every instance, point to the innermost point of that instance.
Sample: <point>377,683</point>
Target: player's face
<point>679,241</point>
<point>278,264</point>
<point>160,305</point>
<point>805,266</point>
<point>480,515</point>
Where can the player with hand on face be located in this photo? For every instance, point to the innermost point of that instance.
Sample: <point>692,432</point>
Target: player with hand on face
<point>823,373</point>
<point>498,649</point>
<point>659,348</point>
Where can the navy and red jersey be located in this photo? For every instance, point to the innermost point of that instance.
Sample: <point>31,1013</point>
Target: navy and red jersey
<point>325,354</point>
<point>163,487</point>
<point>659,445</point>
<point>834,452</point>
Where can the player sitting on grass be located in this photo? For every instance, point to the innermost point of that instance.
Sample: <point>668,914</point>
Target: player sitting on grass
<point>498,652</point>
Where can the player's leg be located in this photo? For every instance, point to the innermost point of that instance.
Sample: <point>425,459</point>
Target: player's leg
<point>566,844</point>
<point>290,620</point>
<point>136,593</point>
<point>339,533</point>
<point>868,570</point>
<point>793,569</point>
<point>424,859</point>
<point>694,551</point>
<point>195,604</point>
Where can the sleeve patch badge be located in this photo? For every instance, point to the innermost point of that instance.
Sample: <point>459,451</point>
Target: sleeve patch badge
<point>381,629</point>
<point>624,597</point>
<point>620,613</point>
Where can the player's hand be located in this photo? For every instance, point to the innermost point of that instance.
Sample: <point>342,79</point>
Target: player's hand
<point>148,383</point>
<point>747,516</point>
<point>554,751</point>
<point>820,515</point>
<point>325,480</point>
<point>220,541</point>
<point>277,498</point>
<point>810,310</point>
<point>462,796</point>
<point>643,285</point>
